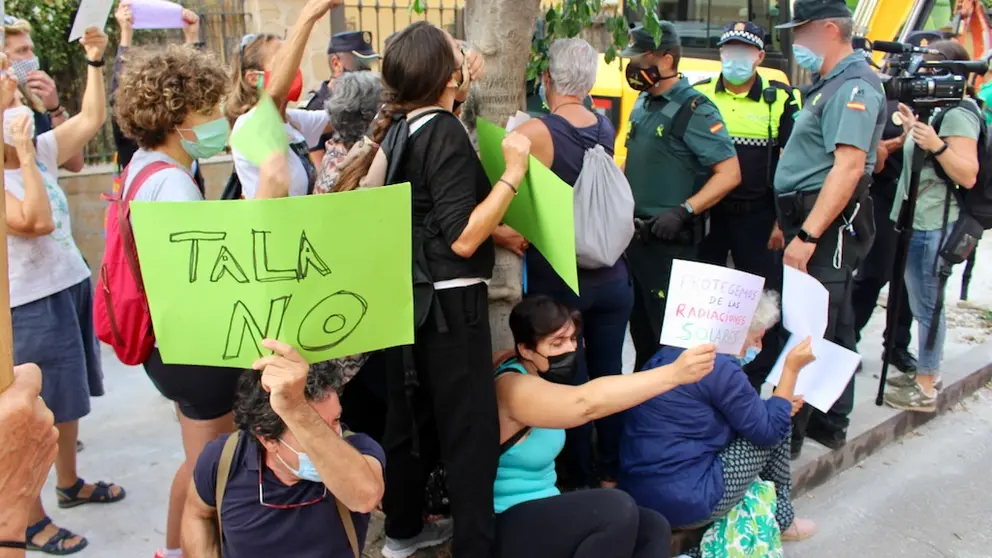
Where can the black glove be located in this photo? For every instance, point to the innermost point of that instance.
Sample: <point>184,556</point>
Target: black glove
<point>669,224</point>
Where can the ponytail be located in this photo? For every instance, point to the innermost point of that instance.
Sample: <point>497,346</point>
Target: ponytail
<point>351,175</point>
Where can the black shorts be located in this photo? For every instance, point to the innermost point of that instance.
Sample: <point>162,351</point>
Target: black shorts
<point>201,392</point>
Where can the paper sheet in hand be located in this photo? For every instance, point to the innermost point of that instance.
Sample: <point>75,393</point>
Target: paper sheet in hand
<point>157,14</point>
<point>223,275</point>
<point>542,211</point>
<point>709,304</point>
<point>805,304</point>
<point>516,120</point>
<point>823,380</point>
<point>261,134</point>
<point>90,13</point>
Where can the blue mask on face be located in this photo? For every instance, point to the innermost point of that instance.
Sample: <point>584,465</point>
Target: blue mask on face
<point>211,138</point>
<point>737,71</point>
<point>542,92</point>
<point>306,471</point>
<point>807,59</point>
<point>749,356</point>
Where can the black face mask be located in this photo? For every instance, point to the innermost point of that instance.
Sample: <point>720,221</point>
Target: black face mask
<point>561,368</point>
<point>642,78</point>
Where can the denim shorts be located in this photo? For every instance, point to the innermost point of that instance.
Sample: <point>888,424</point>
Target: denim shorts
<point>56,333</point>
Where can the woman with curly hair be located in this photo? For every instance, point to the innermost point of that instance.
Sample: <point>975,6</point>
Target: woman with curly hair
<point>169,102</point>
<point>51,295</point>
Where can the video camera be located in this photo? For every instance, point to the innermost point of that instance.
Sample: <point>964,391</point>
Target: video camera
<point>915,81</point>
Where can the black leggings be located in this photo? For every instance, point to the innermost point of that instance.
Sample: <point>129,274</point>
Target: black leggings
<point>601,523</point>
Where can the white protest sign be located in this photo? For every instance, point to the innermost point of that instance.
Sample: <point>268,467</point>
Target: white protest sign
<point>516,120</point>
<point>805,304</point>
<point>709,304</point>
<point>822,381</point>
<point>91,13</point>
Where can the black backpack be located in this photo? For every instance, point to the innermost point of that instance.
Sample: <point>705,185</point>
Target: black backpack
<point>976,201</point>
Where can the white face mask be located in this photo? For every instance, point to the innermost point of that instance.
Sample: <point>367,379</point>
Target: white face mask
<point>12,115</point>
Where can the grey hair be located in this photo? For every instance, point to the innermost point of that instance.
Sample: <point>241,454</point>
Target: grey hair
<point>354,101</point>
<point>846,26</point>
<point>767,313</point>
<point>573,64</point>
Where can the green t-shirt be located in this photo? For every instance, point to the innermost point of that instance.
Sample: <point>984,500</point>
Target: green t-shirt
<point>929,214</point>
<point>848,117</point>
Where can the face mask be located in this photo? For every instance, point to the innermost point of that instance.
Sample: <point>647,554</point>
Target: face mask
<point>737,71</point>
<point>295,89</point>
<point>749,356</point>
<point>642,78</point>
<point>561,368</point>
<point>12,115</point>
<point>542,92</point>
<point>24,67</point>
<point>306,471</point>
<point>211,138</point>
<point>807,59</point>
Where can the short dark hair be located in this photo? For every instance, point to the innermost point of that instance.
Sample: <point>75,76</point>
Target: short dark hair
<point>952,50</point>
<point>538,316</point>
<point>254,414</point>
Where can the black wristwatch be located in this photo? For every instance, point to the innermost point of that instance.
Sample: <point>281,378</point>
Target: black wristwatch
<point>96,63</point>
<point>806,237</point>
<point>942,149</point>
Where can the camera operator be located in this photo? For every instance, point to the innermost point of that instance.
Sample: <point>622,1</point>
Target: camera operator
<point>954,148</point>
<point>821,185</point>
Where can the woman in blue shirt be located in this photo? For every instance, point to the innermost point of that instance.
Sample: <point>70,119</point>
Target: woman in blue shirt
<point>536,405</point>
<point>691,453</point>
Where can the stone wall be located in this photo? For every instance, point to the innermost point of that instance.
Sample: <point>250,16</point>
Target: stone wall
<point>87,207</point>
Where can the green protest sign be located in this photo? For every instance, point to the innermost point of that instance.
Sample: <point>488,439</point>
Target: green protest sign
<point>261,133</point>
<point>542,210</point>
<point>330,275</point>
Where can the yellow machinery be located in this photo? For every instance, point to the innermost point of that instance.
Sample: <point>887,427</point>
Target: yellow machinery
<point>614,98</point>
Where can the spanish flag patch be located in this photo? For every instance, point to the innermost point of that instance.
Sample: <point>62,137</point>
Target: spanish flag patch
<point>716,127</point>
<point>856,106</point>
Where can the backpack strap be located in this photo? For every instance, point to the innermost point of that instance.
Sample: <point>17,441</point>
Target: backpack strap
<point>513,440</point>
<point>124,215</point>
<point>223,475</point>
<point>141,178</point>
<point>684,112</point>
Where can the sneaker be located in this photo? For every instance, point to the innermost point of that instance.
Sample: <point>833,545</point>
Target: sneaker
<point>912,398</point>
<point>432,535</point>
<point>909,380</point>
<point>800,530</point>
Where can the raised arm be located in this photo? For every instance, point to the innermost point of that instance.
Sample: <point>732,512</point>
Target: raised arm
<point>32,215</point>
<point>125,20</point>
<point>83,127</point>
<point>541,404</point>
<point>287,59</point>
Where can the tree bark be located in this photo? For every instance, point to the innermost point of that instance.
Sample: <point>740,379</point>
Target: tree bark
<point>502,31</point>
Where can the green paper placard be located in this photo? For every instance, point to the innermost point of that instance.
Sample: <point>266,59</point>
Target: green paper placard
<point>329,274</point>
<point>261,133</point>
<point>542,210</point>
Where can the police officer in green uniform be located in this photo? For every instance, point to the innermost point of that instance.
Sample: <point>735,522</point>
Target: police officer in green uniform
<point>759,115</point>
<point>680,163</point>
<point>822,181</point>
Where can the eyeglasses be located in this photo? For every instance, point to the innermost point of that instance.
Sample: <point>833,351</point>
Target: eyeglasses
<point>261,497</point>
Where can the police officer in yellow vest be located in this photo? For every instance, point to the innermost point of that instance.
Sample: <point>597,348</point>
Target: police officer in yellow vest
<point>823,177</point>
<point>759,115</point>
<point>680,163</point>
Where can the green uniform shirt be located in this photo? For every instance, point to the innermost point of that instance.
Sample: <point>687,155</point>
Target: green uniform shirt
<point>663,170</point>
<point>929,213</point>
<point>849,117</point>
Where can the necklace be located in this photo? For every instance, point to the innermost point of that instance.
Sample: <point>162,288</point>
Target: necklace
<point>563,105</point>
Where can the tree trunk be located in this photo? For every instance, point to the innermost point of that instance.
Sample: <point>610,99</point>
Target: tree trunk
<point>502,30</point>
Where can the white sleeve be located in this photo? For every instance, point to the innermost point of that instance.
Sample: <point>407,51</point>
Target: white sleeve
<point>310,123</point>
<point>173,185</point>
<point>47,151</point>
<point>247,173</point>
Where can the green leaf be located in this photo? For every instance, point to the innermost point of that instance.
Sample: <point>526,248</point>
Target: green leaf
<point>417,6</point>
<point>611,54</point>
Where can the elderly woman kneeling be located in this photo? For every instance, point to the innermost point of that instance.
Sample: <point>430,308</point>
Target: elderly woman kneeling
<point>692,453</point>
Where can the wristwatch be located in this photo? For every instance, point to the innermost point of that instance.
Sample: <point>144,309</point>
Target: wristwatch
<point>804,236</point>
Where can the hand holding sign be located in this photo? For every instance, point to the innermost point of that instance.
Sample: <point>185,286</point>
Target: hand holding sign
<point>156,14</point>
<point>694,364</point>
<point>261,134</point>
<point>90,13</point>
<point>284,376</point>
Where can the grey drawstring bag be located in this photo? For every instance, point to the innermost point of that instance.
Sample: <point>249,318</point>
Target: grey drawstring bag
<point>604,211</point>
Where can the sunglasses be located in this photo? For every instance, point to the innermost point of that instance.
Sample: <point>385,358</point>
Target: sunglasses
<point>261,497</point>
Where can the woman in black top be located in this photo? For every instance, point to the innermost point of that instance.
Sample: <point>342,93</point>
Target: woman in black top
<point>455,210</point>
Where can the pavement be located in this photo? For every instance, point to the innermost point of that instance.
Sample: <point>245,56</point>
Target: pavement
<point>132,438</point>
<point>925,496</point>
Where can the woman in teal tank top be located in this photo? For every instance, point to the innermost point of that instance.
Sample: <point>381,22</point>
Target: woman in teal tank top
<point>536,405</point>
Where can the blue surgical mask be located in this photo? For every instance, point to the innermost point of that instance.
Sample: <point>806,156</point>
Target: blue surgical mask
<point>542,92</point>
<point>807,59</point>
<point>211,139</point>
<point>306,471</point>
<point>749,356</point>
<point>737,71</point>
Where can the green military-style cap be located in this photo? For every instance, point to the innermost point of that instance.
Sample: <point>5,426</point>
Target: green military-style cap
<point>641,42</point>
<point>805,11</point>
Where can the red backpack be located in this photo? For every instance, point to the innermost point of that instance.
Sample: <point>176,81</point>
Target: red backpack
<point>120,307</point>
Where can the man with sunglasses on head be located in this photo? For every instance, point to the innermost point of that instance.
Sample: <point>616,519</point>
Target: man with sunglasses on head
<point>38,85</point>
<point>290,481</point>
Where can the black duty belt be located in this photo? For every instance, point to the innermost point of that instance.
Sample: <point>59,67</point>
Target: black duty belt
<point>742,207</point>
